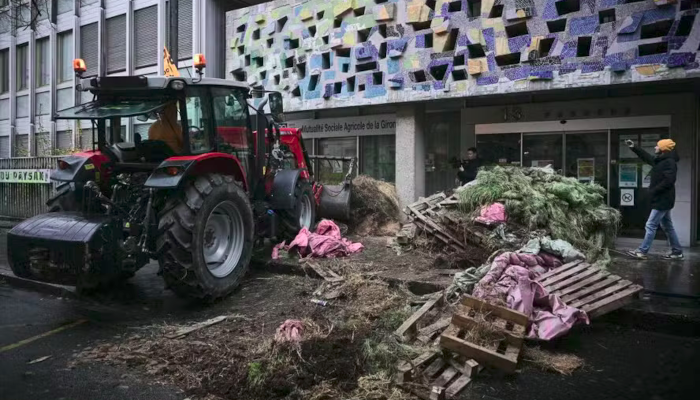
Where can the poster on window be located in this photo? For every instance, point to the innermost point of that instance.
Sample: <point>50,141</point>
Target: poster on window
<point>646,177</point>
<point>541,163</point>
<point>625,151</point>
<point>649,141</point>
<point>628,175</point>
<point>585,169</point>
<point>627,197</point>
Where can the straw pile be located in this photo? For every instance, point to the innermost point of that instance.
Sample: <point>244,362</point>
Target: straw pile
<point>375,207</point>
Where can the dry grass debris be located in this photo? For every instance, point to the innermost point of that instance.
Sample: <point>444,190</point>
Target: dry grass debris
<point>375,207</point>
<point>564,364</point>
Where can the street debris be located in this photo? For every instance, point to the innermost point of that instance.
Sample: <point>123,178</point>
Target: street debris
<point>198,326</point>
<point>290,331</point>
<point>40,359</point>
<point>375,207</point>
<point>326,242</point>
<point>319,302</point>
<point>564,364</point>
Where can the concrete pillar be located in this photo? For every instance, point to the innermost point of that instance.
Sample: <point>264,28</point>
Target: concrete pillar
<point>410,153</point>
<point>683,133</point>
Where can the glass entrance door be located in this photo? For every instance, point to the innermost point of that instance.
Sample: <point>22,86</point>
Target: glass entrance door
<point>543,149</point>
<point>587,157</point>
<point>629,178</point>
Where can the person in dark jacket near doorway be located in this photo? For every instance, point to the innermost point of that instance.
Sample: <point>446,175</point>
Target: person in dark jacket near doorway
<point>470,167</point>
<point>662,190</point>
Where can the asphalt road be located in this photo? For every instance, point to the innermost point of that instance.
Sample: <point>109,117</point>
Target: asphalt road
<point>33,326</point>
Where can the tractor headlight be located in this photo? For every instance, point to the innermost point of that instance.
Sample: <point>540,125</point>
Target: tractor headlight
<point>177,85</point>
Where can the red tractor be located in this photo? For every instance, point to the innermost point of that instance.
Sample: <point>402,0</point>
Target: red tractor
<point>198,211</point>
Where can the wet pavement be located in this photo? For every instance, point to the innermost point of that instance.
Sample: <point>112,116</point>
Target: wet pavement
<point>629,355</point>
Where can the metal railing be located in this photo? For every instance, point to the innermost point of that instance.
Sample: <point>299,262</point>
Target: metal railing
<point>24,200</point>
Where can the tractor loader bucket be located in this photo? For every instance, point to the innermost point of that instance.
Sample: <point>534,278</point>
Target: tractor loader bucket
<point>335,201</point>
<point>64,247</point>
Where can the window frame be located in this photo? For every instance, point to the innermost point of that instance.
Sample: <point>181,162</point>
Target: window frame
<point>41,66</point>
<point>64,64</point>
<point>22,81</point>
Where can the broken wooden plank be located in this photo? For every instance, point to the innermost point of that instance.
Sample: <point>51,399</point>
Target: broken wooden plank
<point>446,376</point>
<point>197,326</point>
<point>409,326</point>
<point>505,313</point>
<point>563,275</point>
<point>418,361</point>
<point>434,368</point>
<point>325,273</point>
<point>437,393</point>
<point>457,386</point>
<point>463,320</point>
<point>427,333</point>
<point>571,289</point>
<point>507,362</point>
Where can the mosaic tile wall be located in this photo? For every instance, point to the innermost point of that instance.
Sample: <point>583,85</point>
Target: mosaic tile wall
<point>335,53</point>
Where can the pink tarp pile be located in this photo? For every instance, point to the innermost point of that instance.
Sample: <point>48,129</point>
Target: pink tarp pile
<point>325,242</point>
<point>492,215</point>
<point>511,280</point>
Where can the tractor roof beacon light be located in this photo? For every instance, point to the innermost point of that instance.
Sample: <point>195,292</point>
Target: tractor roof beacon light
<point>199,63</point>
<point>79,67</point>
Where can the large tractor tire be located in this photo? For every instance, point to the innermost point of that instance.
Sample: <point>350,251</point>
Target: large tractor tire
<point>206,238</point>
<point>303,215</point>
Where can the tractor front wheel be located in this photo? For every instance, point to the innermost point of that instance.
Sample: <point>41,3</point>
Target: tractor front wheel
<point>207,238</point>
<point>303,215</point>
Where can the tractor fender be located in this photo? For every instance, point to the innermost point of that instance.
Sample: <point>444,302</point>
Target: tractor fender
<point>283,186</point>
<point>186,166</point>
<point>81,167</point>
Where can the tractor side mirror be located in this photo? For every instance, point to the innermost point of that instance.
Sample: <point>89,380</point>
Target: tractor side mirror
<point>276,107</point>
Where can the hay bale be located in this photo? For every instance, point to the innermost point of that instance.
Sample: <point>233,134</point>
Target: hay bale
<point>375,207</point>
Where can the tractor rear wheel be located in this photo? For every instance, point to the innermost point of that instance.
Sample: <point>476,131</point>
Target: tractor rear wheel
<point>303,215</point>
<point>207,238</point>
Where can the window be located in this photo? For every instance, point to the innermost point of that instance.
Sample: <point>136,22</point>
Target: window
<point>65,6</point>
<point>43,62</point>
<point>184,29</point>
<point>333,172</point>
<point>65,56</point>
<point>233,134</point>
<point>197,123</point>
<point>4,71</point>
<point>146,37</point>
<point>22,67</point>
<point>116,44</point>
<point>88,48</point>
<point>378,157</point>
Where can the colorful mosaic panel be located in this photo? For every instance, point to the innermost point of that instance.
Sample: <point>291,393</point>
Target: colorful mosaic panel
<point>347,52</point>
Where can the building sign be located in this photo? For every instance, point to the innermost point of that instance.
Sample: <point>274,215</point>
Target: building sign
<point>627,197</point>
<point>585,169</point>
<point>25,176</point>
<point>646,175</point>
<point>365,125</point>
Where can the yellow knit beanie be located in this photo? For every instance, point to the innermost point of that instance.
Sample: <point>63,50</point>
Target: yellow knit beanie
<point>666,145</point>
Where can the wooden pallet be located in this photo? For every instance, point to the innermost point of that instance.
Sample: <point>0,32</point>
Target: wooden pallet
<point>588,288</point>
<point>503,354</point>
<point>446,376</point>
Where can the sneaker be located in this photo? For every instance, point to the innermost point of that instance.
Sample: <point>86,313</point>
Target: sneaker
<point>674,256</point>
<point>637,254</point>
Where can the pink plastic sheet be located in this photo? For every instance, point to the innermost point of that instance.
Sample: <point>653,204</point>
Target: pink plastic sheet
<point>290,331</point>
<point>325,242</point>
<point>492,215</point>
<point>511,280</point>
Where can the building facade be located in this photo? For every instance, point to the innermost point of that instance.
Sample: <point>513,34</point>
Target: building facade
<point>114,37</point>
<point>527,82</point>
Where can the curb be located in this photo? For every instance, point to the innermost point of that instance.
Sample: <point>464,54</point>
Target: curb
<point>37,286</point>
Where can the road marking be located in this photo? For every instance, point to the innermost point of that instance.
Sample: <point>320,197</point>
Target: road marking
<point>41,336</point>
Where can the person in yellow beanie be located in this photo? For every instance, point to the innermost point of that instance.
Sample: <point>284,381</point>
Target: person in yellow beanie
<point>662,190</point>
